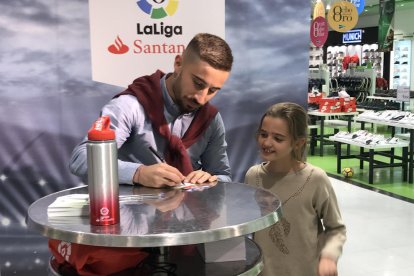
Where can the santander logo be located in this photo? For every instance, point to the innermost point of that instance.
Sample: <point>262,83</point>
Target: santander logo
<point>118,47</point>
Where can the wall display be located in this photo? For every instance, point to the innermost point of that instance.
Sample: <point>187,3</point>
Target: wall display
<point>372,58</point>
<point>319,79</point>
<point>341,58</point>
<point>334,58</point>
<point>401,63</point>
<point>315,56</point>
<point>358,83</point>
<point>367,50</point>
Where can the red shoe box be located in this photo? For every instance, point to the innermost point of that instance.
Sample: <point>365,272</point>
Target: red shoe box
<point>349,105</point>
<point>314,98</point>
<point>331,105</point>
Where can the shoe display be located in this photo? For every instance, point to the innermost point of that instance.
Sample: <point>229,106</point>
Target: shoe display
<point>401,61</point>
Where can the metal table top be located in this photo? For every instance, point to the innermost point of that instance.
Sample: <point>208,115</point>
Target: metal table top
<point>178,217</point>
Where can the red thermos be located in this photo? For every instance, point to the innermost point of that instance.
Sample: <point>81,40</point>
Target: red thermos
<point>103,183</point>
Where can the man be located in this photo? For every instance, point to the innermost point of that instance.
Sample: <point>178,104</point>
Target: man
<point>171,114</point>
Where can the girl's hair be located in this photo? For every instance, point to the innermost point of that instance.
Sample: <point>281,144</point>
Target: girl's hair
<point>297,120</point>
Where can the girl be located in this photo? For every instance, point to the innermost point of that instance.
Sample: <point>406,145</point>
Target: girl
<point>309,237</point>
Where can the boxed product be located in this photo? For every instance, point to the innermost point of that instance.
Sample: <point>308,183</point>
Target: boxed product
<point>349,105</point>
<point>331,105</point>
<point>314,98</point>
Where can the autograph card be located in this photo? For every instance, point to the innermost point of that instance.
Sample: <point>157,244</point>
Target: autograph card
<point>186,186</point>
<point>192,186</point>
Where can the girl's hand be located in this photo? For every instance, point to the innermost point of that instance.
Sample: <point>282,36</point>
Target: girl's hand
<point>327,267</point>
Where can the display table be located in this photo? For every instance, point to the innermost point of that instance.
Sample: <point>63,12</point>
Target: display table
<point>370,156</point>
<point>322,136</point>
<point>223,211</point>
<point>409,127</point>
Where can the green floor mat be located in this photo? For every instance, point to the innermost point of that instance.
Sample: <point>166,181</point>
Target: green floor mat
<point>387,180</point>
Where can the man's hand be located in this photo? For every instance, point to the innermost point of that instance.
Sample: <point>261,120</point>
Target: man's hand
<point>327,267</point>
<point>158,175</point>
<point>199,177</point>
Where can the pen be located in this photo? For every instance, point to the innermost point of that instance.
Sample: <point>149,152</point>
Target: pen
<point>156,154</point>
<point>159,157</point>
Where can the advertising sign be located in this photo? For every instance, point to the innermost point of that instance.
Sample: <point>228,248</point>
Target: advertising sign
<point>318,10</point>
<point>353,36</point>
<point>403,93</point>
<point>359,4</point>
<point>343,16</point>
<point>386,26</point>
<point>131,38</point>
<point>319,31</point>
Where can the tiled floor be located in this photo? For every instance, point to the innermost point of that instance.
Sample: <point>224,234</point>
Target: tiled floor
<point>380,233</point>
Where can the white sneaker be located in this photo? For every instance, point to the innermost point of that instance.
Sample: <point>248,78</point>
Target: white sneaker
<point>342,134</point>
<point>393,140</point>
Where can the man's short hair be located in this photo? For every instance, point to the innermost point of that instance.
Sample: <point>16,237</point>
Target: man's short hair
<point>211,49</point>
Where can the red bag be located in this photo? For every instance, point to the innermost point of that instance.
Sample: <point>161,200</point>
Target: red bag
<point>91,260</point>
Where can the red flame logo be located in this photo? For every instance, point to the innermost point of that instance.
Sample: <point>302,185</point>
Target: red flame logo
<point>118,47</point>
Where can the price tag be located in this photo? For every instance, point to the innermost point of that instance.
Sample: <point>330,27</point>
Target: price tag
<point>403,93</point>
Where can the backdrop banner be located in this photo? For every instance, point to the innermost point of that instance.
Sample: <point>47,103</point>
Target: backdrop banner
<point>143,36</point>
<point>386,25</point>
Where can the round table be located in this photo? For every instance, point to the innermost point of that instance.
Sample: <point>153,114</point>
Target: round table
<point>170,217</point>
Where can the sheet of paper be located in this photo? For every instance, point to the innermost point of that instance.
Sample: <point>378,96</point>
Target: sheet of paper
<point>191,186</point>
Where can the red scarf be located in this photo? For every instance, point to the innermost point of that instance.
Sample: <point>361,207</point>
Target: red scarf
<point>147,90</point>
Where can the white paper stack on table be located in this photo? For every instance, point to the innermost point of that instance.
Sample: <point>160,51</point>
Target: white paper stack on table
<point>69,205</point>
<point>78,204</point>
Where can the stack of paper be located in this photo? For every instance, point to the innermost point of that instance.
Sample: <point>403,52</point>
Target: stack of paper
<point>69,205</point>
<point>78,204</point>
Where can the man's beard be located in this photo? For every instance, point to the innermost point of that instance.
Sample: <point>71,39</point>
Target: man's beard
<point>176,90</point>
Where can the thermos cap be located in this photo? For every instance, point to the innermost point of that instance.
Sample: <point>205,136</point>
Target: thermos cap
<point>100,130</point>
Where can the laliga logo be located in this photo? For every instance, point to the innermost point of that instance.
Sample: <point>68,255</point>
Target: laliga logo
<point>159,8</point>
<point>118,47</point>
